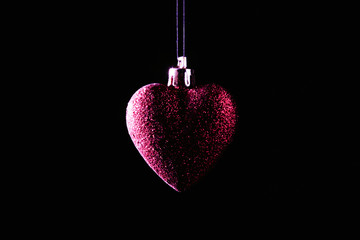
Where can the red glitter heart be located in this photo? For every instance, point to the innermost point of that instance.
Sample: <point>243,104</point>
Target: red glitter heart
<point>181,132</point>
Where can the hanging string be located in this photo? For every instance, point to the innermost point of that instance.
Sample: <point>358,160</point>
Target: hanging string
<point>184,28</point>
<point>177,28</point>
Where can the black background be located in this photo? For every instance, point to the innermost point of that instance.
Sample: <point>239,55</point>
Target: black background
<point>287,158</point>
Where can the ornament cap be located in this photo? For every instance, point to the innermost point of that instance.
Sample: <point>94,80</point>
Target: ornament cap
<point>181,76</point>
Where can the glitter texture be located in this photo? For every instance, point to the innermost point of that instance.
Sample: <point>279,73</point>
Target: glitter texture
<point>181,132</point>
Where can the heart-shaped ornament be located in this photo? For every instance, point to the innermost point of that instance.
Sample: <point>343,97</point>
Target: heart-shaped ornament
<point>181,131</point>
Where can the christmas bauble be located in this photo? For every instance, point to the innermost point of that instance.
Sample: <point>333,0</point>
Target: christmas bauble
<point>181,131</point>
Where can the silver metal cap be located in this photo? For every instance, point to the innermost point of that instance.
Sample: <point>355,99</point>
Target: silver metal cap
<point>181,76</point>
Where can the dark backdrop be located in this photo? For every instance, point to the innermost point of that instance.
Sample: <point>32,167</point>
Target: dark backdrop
<point>273,58</point>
